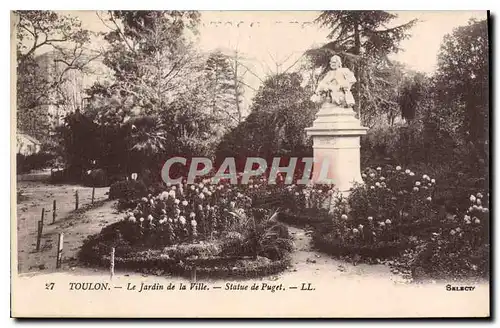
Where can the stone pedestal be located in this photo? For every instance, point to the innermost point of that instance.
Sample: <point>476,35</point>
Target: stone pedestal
<point>336,133</point>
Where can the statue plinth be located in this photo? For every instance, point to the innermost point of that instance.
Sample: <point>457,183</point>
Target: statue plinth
<point>336,133</point>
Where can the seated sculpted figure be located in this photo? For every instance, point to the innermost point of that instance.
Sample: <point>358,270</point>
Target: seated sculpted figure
<point>336,85</point>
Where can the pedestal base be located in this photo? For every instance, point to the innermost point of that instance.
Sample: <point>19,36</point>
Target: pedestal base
<point>336,133</point>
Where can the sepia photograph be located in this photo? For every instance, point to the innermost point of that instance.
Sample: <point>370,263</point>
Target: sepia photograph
<point>250,164</point>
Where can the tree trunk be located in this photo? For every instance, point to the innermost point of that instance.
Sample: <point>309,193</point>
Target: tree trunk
<point>236,89</point>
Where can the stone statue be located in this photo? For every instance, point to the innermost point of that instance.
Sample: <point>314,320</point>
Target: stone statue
<point>336,85</point>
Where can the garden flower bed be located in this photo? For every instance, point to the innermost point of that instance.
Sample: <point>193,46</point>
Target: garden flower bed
<point>213,228</point>
<point>393,216</point>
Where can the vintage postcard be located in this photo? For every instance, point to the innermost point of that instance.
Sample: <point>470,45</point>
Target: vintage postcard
<point>250,164</point>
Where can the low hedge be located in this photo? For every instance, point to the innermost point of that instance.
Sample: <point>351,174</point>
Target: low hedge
<point>212,259</point>
<point>172,262</point>
<point>307,217</point>
<point>328,244</point>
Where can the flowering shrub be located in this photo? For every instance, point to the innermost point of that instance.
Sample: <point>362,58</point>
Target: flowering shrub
<point>460,245</point>
<point>381,217</point>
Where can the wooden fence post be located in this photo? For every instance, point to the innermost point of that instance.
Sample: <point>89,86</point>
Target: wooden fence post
<point>39,235</point>
<point>54,209</point>
<point>193,274</point>
<point>43,214</point>
<point>112,262</point>
<point>93,194</point>
<point>76,200</point>
<point>60,245</point>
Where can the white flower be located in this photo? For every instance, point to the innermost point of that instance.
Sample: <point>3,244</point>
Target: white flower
<point>191,187</point>
<point>184,203</point>
<point>398,168</point>
<point>415,189</point>
<point>232,204</point>
<point>174,188</point>
<point>251,187</point>
<point>330,192</point>
<point>141,219</point>
<point>472,198</point>
<point>425,177</point>
<point>382,224</point>
<point>177,211</point>
<point>209,193</point>
<point>377,184</point>
<point>361,227</point>
<point>388,221</point>
<point>382,178</point>
<point>150,217</point>
<point>478,201</point>
<point>407,171</point>
<point>202,196</point>
<point>479,195</point>
<point>412,174</point>
<point>192,215</point>
<point>485,210</point>
<point>343,217</point>
<point>355,230</point>
<point>132,218</point>
<point>477,221</point>
<point>296,193</point>
<point>182,220</point>
<point>144,199</point>
<point>379,168</point>
<point>433,180</point>
<point>201,185</point>
<point>372,187</point>
<point>452,232</point>
<point>172,193</point>
<point>458,229</point>
<point>205,190</point>
<point>363,175</point>
<point>417,183</point>
<point>177,201</point>
<point>370,218</point>
<point>429,199</point>
<point>193,223</point>
<point>372,175</point>
<point>164,195</point>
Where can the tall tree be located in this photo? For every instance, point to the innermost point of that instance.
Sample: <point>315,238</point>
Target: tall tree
<point>150,55</point>
<point>462,80</point>
<point>280,111</point>
<point>363,39</point>
<point>49,47</point>
<point>224,87</point>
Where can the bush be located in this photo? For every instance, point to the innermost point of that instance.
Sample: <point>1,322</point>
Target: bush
<point>128,190</point>
<point>460,245</point>
<point>95,178</point>
<point>41,160</point>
